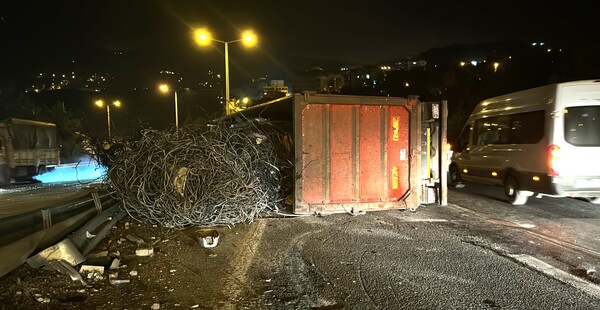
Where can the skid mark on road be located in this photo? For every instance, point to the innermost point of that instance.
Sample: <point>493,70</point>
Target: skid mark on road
<point>427,220</point>
<point>242,259</point>
<point>536,264</point>
<point>550,239</point>
<point>555,273</point>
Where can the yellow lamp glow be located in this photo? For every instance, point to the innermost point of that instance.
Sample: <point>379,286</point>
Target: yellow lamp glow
<point>249,38</point>
<point>202,36</point>
<point>163,88</point>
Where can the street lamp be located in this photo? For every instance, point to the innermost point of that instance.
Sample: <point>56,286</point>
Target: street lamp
<point>203,38</point>
<point>165,89</point>
<point>100,103</point>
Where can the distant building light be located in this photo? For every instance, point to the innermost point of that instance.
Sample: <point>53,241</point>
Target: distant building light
<point>549,50</point>
<point>533,44</point>
<point>496,65</point>
<point>541,43</point>
<point>473,63</point>
<point>462,63</point>
<point>406,84</point>
<point>414,62</point>
<point>367,76</point>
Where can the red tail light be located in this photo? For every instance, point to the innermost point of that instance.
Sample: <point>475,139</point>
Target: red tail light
<point>553,160</point>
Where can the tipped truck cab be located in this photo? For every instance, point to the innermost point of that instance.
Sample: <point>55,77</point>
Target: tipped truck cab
<point>543,141</point>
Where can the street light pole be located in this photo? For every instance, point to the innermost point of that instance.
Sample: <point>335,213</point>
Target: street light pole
<point>165,89</point>
<point>100,103</point>
<point>176,112</point>
<point>227,71</point>
<point>227,103</point>
<point>203,37</point>
<point>108,119</point>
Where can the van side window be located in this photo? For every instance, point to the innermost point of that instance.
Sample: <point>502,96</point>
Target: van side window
<point>527,128</point>
<point>493,130</point>
<point>520,128</point>
<point>463,138</point>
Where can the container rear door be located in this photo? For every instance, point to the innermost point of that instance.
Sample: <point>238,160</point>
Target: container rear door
<point>353,157</point>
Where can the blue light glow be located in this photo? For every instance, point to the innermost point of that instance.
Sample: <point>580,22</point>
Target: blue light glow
<point>86,169</point>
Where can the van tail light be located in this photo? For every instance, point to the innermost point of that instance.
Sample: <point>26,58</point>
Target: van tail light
<point>553,160</point>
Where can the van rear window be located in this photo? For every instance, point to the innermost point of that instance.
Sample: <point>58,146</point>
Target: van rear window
<point>582,125</point>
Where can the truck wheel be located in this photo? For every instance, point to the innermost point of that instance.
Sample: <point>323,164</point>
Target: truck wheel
<point>454,173</point>
<point>511,188</point>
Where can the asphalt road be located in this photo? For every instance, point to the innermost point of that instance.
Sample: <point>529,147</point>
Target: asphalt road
<point>478,253</point>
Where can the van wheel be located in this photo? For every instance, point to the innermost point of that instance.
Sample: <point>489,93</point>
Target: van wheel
<point>454,177</point>
<point>511,188</point>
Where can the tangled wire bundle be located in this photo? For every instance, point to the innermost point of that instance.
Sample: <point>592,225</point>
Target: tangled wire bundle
<point>215,175</point>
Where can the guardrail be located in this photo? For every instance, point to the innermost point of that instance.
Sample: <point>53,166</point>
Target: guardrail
<point>22,235</point>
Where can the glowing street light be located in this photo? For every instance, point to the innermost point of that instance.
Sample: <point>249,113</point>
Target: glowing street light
<point>496,65</point>
<point>165,89</point>
<point>100,103</point>
<point>203,38</point>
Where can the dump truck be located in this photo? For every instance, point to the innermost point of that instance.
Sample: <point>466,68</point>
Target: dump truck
<point>27,148</point>
<point>361,153</point>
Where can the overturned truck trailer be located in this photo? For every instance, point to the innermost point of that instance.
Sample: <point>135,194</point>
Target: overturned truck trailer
<point>358,153</point>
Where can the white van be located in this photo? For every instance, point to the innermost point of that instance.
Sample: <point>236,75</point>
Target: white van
<point>535,142</point>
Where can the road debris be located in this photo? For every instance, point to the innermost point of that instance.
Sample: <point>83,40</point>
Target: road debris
<point>64,250</point>
<point>135,239</point>
<point>144,251</point>
<point>208,237</point>
<point>114,264</point>
<point>64,267</point>
<point>98,254</point>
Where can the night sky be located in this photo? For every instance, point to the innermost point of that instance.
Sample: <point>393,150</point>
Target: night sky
<point>37,34</point>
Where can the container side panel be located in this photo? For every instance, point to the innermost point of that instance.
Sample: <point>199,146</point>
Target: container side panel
<point>371,176</point>
<point>341,153</point>
<point>398,156</point>
<point>312,149</point>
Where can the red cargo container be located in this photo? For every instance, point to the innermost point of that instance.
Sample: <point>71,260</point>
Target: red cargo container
<point>352,153</point>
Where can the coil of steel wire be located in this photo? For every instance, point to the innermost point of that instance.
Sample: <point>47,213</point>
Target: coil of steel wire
<point>214,175</point>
